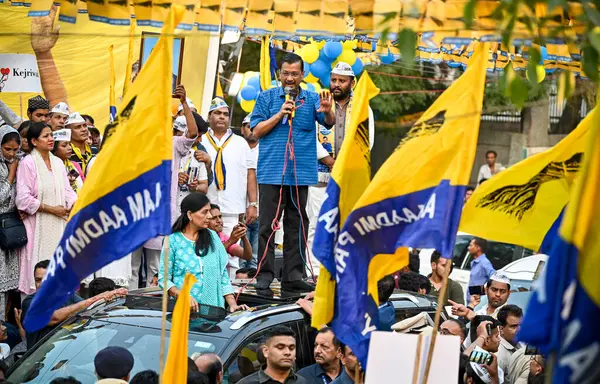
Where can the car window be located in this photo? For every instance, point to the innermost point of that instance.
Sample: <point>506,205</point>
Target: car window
<point>249,357</point>
<point>500,254</point>
<point>460,250</point>
<point>70,351</point>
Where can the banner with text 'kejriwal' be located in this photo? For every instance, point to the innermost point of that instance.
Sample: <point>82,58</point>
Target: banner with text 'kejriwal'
<point>125,199</point>
<point>567,296</point>
<point>414,200</point>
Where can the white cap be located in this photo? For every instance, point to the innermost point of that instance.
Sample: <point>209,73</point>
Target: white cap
<point>500,277</point>
<point>343,69</point>
<point>74,118</point>
<point>247,119</point>
<point>180,124</point>
<point>62,135</point>
<point>61,108</point>
<point>189,101</point>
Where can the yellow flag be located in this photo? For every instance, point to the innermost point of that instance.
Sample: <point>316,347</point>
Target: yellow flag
<point>265,63</point>
<point>131,48</point>
<point>520,204</point>
<point>177,361</point>
<point>349,179</point>
<point>113,104</point>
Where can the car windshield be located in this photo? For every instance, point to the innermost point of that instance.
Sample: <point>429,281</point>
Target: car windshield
<point>71,350</point>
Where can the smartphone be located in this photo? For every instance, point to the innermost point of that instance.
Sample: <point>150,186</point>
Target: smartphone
<point>242,218</point>
<point>481,357</point>
<point>192,174</point>
<point>532,350</point>
<point>476,290</point>
<point>73,173</point>
<point>488,328</point>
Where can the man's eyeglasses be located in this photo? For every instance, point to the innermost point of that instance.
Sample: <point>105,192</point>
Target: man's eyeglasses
<point>295,75</point>
<point>534,358</point>
<point>446,331</point>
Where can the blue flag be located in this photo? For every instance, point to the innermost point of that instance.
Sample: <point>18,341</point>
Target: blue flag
<point>126,199</point>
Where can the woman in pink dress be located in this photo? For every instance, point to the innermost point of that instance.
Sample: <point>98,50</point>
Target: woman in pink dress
<point>45,196</point>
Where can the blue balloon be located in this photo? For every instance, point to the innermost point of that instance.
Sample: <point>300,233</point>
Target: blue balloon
<point>320,68</point>
<point>323,57</point>
<point>306,69</point>
<point>257,93</point>
<point>254,81</point>
<point>454,64</point>
<point>332,49</point>
<point>357,67</point>
<point>325,80</point>
<point>239,97</point>
<point>544,54</point>
<point>387,59</point>
<point>248,93</point>
<point>310,86</point>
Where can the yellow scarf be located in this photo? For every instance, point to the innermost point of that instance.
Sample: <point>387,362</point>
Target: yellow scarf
<point>70,167</point>
<point>220,171</point>
<point>83,157</point>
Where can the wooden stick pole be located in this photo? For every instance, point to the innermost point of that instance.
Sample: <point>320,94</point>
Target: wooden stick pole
<point>21,105</point>
<point>165,300</point>
<point>436,323</point>
<point>418,360</point>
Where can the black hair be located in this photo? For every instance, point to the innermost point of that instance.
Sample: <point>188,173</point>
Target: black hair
<point>250,271</point>
<point>537,379</point>
<point>489,283</point>
<point>10,137</point>
<point>214,206</point>
<point>145,377</point>
<point>200,123</point>
<point>425,284</point>
<point>488,152</point>
<point>470,189</point>
<point>88,117</point>
<point>41,265</point>
<point>197,378</point>
<point>214,368</point>
<point>194,202</point>
<point>336,342</point>
<point>481,243</point>
<point>65,380</point>
<point>292,58</point>
<point>463,327</point>
<point>34,132</point>
<point>470,372</point>
<point>409,281</point>
<point>435,256</point>
<point>100,285</point>
<point>24,125</point>
<point>509,310</point>
<point>482,180</point>
<point>192,367</point>
<point>385,288</point>
<point>478,320</point>
<point>279,330</point>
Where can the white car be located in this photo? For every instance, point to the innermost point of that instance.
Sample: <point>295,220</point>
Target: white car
<point>499,254</point>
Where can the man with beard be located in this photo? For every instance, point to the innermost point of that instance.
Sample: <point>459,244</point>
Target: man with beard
<point>341,83</point>
<point>234,187</point>
<point>279,350</point>
<point>252,233</point>
<point>58,116</point>
<point>327,355</point>
<point>351,366</point>
<point>284,177</point>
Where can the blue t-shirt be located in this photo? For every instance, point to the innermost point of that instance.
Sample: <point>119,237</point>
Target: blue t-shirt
<point>387,316</point>
<point>271,155</point>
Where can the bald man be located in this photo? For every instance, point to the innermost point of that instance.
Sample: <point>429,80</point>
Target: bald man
<point>211,365</point>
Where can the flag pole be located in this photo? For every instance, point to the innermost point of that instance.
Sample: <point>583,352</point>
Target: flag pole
<point>436,323</point>
<point>165,300</point>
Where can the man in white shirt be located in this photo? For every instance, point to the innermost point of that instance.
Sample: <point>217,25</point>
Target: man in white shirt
<point>490,168</point>
<point>252,233</point>
<point>510,317</point>
<point>234,186</point>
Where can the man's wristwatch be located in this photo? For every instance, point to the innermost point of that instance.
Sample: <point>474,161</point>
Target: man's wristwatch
<point>253,204</point>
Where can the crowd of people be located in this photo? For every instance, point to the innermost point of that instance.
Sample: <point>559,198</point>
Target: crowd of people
<point>219,180</point>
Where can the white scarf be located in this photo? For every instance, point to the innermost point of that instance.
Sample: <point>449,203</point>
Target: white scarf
<point>50,191</point>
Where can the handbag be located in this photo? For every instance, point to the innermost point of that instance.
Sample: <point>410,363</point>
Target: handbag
<point>12,231</point>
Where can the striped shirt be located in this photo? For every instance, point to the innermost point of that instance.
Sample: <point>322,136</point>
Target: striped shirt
<point>272,145</point>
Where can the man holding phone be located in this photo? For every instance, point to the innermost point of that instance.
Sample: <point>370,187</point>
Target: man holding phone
<point>482,350</point>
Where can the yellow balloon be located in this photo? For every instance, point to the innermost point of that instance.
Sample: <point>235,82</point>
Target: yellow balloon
<point>540,71</point>
<point>311,79</point>
<point>247,105</point>
<point>347,56</point>
<point>317,87</point>
<point>310,53</point>
<point>303,86</point>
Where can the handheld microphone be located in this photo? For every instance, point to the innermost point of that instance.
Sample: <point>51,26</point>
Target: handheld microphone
<point>290,94</point>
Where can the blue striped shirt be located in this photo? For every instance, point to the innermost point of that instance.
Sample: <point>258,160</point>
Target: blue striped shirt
<point>272,145</point>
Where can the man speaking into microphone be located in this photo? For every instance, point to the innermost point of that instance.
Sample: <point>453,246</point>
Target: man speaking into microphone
<point>278,110</point>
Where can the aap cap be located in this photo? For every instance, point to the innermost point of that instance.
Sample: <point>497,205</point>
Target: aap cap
<point>62,135</point>
<point>61,108</point>
<point>343,69</point>
<point>113,363</point>
<point>247,119</point>
<point>75,118</point>
<point>217,103</point>
<point>500,277</point>
<point>189,101</point>
<point>180,124</point>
